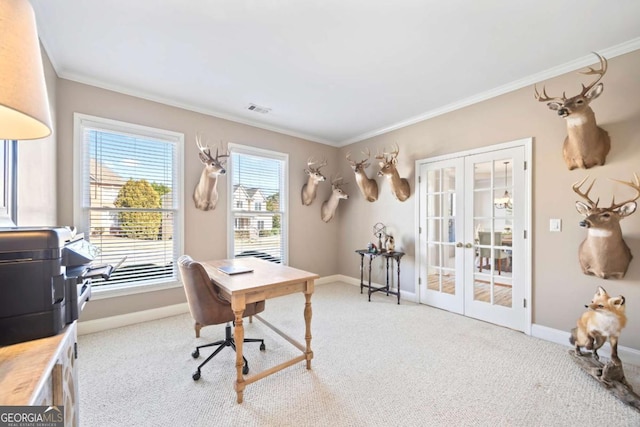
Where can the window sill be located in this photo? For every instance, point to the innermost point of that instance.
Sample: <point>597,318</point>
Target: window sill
<point>104,292</point>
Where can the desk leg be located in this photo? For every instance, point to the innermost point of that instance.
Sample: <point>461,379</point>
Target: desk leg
<point>307,322</point>
<point>238,336</point>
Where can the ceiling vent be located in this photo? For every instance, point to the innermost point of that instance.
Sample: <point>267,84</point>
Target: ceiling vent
<point>258,109</point>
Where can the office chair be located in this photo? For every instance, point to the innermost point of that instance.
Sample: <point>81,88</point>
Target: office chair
<point>207,307</point>
<point>484,238</point>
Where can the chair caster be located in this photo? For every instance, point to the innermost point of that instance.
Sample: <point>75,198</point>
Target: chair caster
<point>195,354</point>
<point>245,369</point>
<point>262,347</point>
<point>196,375</point>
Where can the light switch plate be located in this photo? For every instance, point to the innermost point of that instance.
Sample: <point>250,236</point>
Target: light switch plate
<point>555,224</point>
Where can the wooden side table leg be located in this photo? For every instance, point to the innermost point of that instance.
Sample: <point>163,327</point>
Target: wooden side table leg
<point>238,336</point>
<point>307,322</point>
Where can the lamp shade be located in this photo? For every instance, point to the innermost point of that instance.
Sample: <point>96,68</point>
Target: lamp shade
<point>24,104</point>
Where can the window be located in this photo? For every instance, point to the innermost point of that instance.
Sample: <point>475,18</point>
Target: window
<point>260,178</point>
<point>128,198</point>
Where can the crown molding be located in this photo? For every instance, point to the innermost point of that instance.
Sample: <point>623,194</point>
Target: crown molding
<point>567,67</point>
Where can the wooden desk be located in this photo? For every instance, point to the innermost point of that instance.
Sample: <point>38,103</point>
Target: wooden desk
<point>42,372</point>
<point>387,255</point>
<point>268,280</point>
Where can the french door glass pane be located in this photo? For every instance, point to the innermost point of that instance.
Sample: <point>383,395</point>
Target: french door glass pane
<point>440,230</point>
<point>492,220</point>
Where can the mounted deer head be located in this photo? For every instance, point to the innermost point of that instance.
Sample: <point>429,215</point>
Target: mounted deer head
<point>399,186</point>
<point>368,187</point>
<point>328,209</point>
<point>604,253</point>
<point>205,194</point>
<point>586,144</point>
<point>315,177</point>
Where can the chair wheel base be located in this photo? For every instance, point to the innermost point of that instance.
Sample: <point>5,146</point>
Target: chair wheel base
<point>245,369</point>
<point>196,375</point>
<point>195,354</point>
<point>262,347</point>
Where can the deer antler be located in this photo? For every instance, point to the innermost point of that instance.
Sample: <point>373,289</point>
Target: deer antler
<point>221,155</point>
<point>311,162</point>
<point>591,71</point>
<point>204,149</point>
<point>635,185</point>
<point>348,157</point>
<point>360,163</point>
<point>336,181</point>
<point>544,97</point>
<point>576,188</point>
<point>393,154</point>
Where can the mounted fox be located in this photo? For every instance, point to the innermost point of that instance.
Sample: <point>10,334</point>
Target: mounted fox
<point>586,144</point>
<point>604,253</point>
<point>605,318</point>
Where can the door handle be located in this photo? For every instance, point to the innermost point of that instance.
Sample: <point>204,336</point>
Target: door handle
<point>468,246</point>
<point>459,245</point>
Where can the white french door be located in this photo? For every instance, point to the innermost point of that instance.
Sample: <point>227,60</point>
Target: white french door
<point>472,250</point>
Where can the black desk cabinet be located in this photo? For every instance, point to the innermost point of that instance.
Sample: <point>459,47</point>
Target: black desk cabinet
<point>387,255</point>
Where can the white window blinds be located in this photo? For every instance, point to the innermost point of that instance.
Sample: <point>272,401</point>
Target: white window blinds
<point>130,200</point>
<point>258,203</point>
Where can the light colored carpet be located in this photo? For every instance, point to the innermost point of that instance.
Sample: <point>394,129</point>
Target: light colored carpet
<point>376,364</point>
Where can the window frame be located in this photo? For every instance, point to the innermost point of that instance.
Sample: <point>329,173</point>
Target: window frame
<point>9,169</point>
<point>284,194</point>
<point>80,214</point>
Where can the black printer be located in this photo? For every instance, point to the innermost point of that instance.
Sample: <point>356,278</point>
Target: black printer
<point>44,281</point>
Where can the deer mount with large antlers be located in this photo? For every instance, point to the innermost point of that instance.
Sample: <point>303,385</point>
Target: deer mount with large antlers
<point>604,253</point>
<point>368,186</point>
<point>310,188</point>
<point>388,168</point>
<point>586,144</point>
<point>205,195</point>
<point>328,208</point>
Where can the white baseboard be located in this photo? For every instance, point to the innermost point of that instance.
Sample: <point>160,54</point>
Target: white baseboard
<point>97,325</point>
<point>329,279</point>
<point>626,354</point>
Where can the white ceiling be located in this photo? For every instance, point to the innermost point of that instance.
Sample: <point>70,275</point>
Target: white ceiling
<point>332,71</point>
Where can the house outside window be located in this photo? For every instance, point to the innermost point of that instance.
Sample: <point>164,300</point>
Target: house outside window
<point>128,200</point>
<point>258,183</point>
